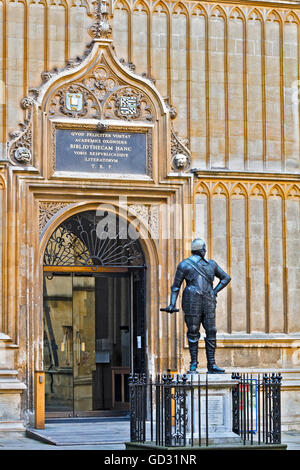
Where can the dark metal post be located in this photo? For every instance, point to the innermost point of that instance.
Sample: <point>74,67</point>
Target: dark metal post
<point>168,409</point>
<point>132,398</point>
<point>199,408</point>
<point>192,412</point>
<point>206,409</point>
<point>151,407</point>
<point>236,404</point>
<point>276,412</point>
<point>157,425</point>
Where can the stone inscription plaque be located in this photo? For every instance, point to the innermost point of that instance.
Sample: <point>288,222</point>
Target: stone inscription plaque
<point>215,410</point>
<point>90,151</point>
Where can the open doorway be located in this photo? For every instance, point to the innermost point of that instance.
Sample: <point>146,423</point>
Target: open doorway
<point>94,330</point>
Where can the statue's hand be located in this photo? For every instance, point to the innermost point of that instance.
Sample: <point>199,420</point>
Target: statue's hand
<point>171,309</point>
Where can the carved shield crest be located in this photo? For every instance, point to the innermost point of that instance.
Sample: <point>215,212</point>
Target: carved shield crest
<point>74,101</point>
<point>128,105</point>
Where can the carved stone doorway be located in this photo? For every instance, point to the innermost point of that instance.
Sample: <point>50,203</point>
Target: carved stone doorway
<point>94,317</point>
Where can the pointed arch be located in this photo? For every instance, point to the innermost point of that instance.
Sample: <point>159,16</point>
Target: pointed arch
<point>238,190</point>
<point>199,10</point>
<point>180,5</point>
<point>291,17</point>
<point>239,14</point>
<point>293,192</point>
<point>255,14</point>
<point>143,5</point>
<point>274,15</point>
<point>276,190</point>
<point>218,9</point>
<point>257,190</point>
<point>163,5</point>
<point>125,5</point>
<point>202,188</point>
<point>220,189</point>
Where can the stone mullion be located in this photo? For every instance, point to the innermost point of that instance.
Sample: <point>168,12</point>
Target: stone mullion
<point>46,35</point>
<point>282,113</point>
<point>226,98</point>
<point>209,222</point>
<point>229,250</point>
<point>263,85</point>
<point>25,49</point>
<point>149,45</point>
<point>207,108</point>
<point>67,32</point>
<point>4,71</point>
<point>169,64</point>
<point>248,266</point>
<point>129,11</point>
<point>4,261</point>
<point>298,86</point>
<point>188,75</point>
<point>285,268</point>
<point>245,94</point>
<point>266,265</point>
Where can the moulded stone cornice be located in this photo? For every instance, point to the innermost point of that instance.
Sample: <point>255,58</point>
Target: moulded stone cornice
<point>244,175</point>
<point>263,3</point>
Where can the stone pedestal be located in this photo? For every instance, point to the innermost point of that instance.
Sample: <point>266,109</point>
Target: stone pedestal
<point>11,389</point>
<point>219,409</point>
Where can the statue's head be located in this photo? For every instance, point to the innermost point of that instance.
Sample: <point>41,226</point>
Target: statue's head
<point>198,247</point>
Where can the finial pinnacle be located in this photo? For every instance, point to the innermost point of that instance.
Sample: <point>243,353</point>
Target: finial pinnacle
<point>101,29</point>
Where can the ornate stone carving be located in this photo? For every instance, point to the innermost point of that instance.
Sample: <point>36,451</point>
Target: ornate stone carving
<point>46,75</point>
<point>22,155</point>
<point>172,110</point>
<point>180,161</point>
<point>20,147</point>
<point>47,210</point>
<point>101,29</point>
<point>102,127</point>
<point>101,82</point>
<point>74,101</point>
<point>129,65</point>
<point>128,103</point>
<point>149,215</point>
<point>180,154</point>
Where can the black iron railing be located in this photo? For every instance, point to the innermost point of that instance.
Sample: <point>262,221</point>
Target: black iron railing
<point>174,411</point>
<point>257,408</point>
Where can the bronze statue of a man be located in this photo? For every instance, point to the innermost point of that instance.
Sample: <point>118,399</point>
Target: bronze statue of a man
<point>199,301</point>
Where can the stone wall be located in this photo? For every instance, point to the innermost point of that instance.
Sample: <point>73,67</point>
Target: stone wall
<point>231,72</point>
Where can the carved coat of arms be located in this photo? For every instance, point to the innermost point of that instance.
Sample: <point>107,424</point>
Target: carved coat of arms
<point>128,105</point>
<point>74,101</point>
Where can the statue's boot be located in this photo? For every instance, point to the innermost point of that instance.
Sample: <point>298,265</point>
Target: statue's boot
<point>193,347</point>
<point>210,347</point>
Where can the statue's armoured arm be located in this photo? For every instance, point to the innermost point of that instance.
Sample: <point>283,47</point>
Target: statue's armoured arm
<point>179,277</point>
<point>224,279</point>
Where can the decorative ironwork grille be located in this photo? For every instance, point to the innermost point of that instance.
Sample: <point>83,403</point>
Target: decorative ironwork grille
<point>85,240</point>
